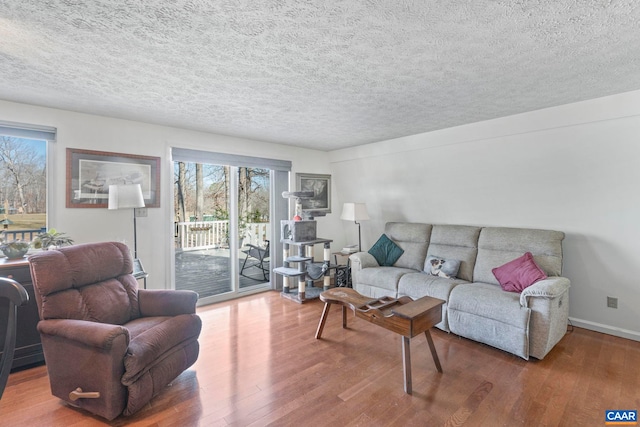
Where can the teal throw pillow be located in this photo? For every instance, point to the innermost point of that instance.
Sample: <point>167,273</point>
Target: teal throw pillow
<point>385,251</point>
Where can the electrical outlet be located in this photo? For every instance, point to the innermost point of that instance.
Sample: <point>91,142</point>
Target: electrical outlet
<point>612,302</point>
<point>141,212</point>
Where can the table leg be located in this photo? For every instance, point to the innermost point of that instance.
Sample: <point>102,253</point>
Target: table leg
<point>323,319</point>
<point>433,351</point>
<point>406,364</point>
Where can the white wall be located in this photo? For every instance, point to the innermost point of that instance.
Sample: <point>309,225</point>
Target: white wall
<point>573,168</point>
<point>155,232</point>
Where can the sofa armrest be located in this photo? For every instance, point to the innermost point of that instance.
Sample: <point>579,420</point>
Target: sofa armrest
<point>550,288</point>
<point>361,260</point>
<point>91,334</point>
<point>166,302</point>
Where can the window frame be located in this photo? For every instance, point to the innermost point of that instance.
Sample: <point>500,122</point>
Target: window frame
<point>47,134</point>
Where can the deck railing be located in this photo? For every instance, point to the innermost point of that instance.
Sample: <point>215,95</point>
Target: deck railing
<point>215,234</point>
<point>26,235</point>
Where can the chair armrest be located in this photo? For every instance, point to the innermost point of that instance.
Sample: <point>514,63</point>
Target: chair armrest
<point>550,288</point>
<point>166,302</point>
<point>13,291</point>
<point>93,334</point>
<point>255,251</point>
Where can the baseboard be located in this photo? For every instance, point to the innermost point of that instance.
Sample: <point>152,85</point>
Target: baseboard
<point>605,329</point>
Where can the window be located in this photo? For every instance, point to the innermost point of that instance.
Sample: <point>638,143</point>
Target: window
<point>23,180</point>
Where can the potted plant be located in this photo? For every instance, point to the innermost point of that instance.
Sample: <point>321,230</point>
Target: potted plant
<point>50,238</point>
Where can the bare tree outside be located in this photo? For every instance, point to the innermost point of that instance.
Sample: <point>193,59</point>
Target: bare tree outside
<point>203,190</point>
<point>23,201</point>
<point>181,183</point>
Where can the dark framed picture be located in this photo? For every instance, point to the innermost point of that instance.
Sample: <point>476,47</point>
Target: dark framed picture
<point>90,173</point>
<point>321,187</point>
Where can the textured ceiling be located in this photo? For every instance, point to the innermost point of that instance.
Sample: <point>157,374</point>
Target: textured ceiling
<point>323,74</point>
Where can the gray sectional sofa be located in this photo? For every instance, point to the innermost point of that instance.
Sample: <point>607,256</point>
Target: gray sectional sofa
<point>526,324</point>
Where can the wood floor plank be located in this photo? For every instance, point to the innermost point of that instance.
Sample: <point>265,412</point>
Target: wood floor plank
<point>470,405</point>
<point>261,365</point>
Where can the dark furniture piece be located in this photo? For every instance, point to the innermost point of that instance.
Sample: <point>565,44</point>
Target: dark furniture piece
<point>109,346</point>
<point>139,272</point>
<point>343,271</point>
<point>257,257</point>
<point>28,349</point>
<point>16,295</point>
<point>403,316</point>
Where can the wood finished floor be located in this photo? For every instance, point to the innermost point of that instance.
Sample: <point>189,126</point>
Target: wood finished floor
<point>260,365</point>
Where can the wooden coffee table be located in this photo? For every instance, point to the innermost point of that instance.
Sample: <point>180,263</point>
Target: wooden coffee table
<point>403,316</point>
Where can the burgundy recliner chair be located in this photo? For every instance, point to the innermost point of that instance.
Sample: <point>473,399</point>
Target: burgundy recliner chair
<point>109,347</point>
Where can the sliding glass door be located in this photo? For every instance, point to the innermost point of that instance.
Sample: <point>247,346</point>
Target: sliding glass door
<point>227,212</point>
<point>222,229</point>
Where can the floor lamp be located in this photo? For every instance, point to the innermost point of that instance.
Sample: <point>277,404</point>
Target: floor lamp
<point>127,197</point>
<point>355,212</point>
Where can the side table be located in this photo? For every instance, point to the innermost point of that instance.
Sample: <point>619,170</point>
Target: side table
<point>139,271</point>
<point>343,271</point>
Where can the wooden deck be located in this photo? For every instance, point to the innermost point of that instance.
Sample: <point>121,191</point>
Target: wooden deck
<point>208,272</point>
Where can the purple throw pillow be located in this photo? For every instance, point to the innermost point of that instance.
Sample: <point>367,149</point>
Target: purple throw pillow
<point>519,274</point>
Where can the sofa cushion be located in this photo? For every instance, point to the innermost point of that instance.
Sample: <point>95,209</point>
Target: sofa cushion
<point>385,251</point>
<point>519,274</point>
<point>435,265</point>
<point>485,313</point>
<point>458,242</point>
<point>413,238</point>
<point>418,285</point>
<point>383,277</point>
<point>490,301</point>
<point>373,291</point>
<point>497,246</point>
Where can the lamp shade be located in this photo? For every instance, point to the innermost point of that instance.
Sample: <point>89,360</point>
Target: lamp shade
<point>125,196</point>
<point>354,212</point>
